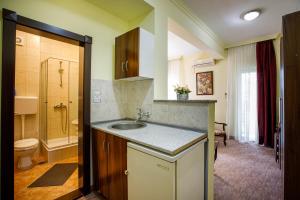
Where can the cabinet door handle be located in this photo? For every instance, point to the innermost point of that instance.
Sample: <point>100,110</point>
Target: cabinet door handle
<point>126,65</point>
<point>108,148</point>
<point>126,172</point>
<point>104,145</point>
<point>122,66</point>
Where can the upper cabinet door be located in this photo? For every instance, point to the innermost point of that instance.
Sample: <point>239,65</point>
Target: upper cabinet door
<point>117,166</point>
<point>132,52</point>
<point>120,56</point>
<point>134,55</point>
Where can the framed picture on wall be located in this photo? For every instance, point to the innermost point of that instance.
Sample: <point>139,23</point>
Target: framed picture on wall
<point>205,83</point>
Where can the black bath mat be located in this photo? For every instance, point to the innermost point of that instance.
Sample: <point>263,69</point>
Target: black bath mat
<point>56,175</point>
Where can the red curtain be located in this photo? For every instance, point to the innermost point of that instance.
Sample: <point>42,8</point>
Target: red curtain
<point>266,92</point>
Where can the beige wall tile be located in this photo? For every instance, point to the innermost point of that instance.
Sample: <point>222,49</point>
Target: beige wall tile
<point>27,80</point>
<point>57,94</point>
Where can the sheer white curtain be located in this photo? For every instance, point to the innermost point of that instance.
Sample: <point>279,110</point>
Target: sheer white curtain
<point>242,93</point>
<point>173,77</point>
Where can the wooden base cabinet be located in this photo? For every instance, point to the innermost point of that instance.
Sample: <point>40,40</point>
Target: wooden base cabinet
<point>110,165</point>
<point>152,178</point>
<point>122,171</point>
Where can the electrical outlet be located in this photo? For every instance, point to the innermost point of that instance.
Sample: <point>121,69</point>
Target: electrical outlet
<point>97,96</point>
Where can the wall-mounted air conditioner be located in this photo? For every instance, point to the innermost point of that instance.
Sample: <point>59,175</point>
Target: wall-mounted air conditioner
<point>209,62</point>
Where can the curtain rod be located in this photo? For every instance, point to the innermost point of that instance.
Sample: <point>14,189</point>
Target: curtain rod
<point>255,40</point>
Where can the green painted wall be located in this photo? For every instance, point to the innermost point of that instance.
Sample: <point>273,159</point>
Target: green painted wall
<point>80,17</point>
<point>146,22</point>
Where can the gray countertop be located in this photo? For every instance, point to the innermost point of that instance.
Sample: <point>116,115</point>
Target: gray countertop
<point>166,139</point>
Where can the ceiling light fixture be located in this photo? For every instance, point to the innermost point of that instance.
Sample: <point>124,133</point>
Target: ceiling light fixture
<point>251,15</point>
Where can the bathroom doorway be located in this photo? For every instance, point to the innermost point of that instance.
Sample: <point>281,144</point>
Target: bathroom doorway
<point>46,116</point>
<point>45,98</point>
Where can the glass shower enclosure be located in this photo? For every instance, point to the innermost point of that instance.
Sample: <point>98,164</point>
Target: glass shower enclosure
<point>59,85</point>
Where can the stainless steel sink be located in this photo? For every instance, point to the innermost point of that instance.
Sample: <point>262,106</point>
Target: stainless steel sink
<point>128,125</point>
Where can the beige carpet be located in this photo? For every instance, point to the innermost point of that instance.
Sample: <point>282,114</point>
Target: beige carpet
<point>246,171</point>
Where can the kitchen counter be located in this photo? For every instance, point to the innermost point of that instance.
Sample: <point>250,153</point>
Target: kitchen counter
<point>184,102</point>
<point>166,139</point>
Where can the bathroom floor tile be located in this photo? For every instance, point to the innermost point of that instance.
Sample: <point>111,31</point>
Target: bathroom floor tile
<point>23,179</point>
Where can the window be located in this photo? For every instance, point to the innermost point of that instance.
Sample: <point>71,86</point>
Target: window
<point>248,107</point>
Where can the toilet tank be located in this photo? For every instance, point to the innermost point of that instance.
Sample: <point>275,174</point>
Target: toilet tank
<point>25,105</point>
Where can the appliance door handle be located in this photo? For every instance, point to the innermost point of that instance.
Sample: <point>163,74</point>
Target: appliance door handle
<point>126,65</point>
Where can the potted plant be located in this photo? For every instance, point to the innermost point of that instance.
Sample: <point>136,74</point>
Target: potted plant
<point>182,92</point>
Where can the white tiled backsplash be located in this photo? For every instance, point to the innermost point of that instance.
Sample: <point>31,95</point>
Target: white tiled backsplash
<point>120,99</point>
<point>112,104</point>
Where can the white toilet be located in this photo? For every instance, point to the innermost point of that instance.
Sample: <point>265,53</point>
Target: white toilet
<point>25,148</point>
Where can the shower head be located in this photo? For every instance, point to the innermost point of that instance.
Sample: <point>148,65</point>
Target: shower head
<point>60,71</point>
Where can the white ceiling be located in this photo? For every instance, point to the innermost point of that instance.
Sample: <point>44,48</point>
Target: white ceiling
<point>178,47</point>
<point>223,17</point>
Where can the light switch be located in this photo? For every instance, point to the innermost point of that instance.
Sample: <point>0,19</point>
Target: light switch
<point>96,96</point>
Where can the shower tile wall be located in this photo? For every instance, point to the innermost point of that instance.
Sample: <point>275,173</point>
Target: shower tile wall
<point>59,94</point>
<point>73,96</point>
<point>27,80</point>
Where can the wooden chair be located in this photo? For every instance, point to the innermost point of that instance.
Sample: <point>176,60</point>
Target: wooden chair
<point>221,132</point>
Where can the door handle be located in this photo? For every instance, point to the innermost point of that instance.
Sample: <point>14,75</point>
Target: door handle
<point>104,145</point>
<point>126,65</point>
<point>122,66</point>
<point>126,172</point>
<point>108,148</point>
<point>163,167</point>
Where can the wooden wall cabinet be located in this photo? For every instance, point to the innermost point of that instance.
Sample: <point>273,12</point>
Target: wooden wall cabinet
<point>134,54</point>
<point>110,165</point>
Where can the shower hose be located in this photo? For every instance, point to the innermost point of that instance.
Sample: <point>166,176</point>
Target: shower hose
<point>63,107</point>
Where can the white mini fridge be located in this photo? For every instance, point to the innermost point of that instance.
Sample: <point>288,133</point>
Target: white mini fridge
<point>155,176</point>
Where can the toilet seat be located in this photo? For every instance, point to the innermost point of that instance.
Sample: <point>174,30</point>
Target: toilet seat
<point>25,144</point>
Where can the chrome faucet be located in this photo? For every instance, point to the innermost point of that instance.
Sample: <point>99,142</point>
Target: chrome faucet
<point>60,106</point>
<point>142,115</point>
